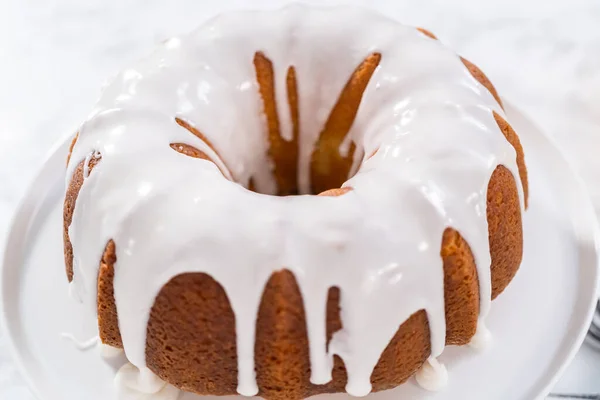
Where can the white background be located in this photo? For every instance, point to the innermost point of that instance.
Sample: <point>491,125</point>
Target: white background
<point>542,55</point>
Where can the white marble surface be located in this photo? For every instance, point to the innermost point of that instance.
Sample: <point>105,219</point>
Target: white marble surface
<point>542,55</point>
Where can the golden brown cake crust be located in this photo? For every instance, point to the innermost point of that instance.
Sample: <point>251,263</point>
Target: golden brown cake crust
<point>108,321</point>
<point>427,33</point>
<point>191,151</point>
<point>473,69</point>
<point>513,139</point>
<point>505,229</point>
<point>461,288</point>
<point>187,344</point>
<point>329,169</point>
<point>191,337</point>
<point>482,78</point>
<point>71,147</point>
<point>69,206</point>
<point>283,153</point>
<point>186,125</point>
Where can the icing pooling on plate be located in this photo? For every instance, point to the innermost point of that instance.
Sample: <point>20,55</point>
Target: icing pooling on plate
<point>438,144</point>
<point>142,384</point>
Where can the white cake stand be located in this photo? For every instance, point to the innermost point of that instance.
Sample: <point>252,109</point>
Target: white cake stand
<point>538,323</point>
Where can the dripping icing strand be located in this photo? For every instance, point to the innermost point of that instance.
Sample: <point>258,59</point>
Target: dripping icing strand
<point>418,111</point>
<point>142,384</point>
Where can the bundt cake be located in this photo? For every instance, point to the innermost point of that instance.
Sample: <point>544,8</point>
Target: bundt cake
<point>293,202</point>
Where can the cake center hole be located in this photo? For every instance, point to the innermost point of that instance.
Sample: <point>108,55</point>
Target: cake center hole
<point>328,167</point>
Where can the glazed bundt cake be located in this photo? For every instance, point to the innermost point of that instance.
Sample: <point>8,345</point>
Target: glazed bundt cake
<point>294,202</point>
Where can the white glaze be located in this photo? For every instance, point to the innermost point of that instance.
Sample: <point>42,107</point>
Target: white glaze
<point>109,352</point>
<point>432,375</point>
<point>141,384</point>
<point>482,338</point>
<point>438,146</point>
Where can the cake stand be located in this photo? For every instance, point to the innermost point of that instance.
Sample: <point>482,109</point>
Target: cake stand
<point>538,323</point>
